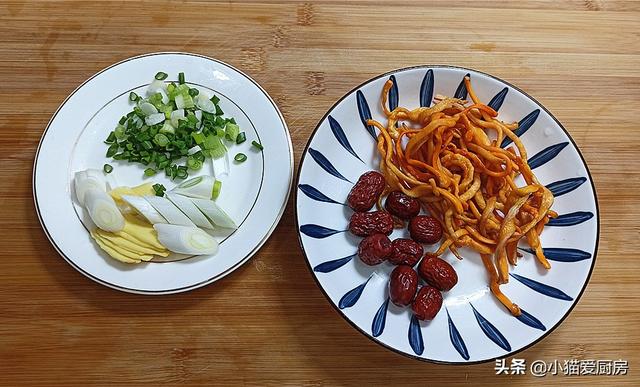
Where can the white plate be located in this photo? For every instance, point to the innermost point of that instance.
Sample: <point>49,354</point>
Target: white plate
<point>254,194</point>
<point>472,326</point>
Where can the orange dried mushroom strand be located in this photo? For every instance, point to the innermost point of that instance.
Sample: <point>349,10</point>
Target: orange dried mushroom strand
<point>443,156</point>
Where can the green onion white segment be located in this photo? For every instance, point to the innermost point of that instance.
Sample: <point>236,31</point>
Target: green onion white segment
<point>198,187</point>
<point>186,240</point>
<point>86,180</point>
<point>90,189</point>
<point>188,208</point>
<point>214,213</point>
<point>170,212</point>
<point>144,208</point>
<point>103,210</point>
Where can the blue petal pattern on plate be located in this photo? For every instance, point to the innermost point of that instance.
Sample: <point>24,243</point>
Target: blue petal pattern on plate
<point>426,89</point>
<point>340,136</point>
<point>523,126</point>
<point>365,113</point>
<point>498,99</point>
<point>326,164</point>
<point>352,296</point>
<point>542,288</point>
<point>570,219</point>
<point>561,254</point>
<point>393,94</point>
<point>546,155</point>
<point>314,194</point>
<point>319,232</point>
<point>456,339</point>
<point>461,91</point>
<point>562,187</point>
<point>531,321</point>
<point>377,325</point>
<point>492,332</point>
<point>415,336</point>
<point>329,266</point>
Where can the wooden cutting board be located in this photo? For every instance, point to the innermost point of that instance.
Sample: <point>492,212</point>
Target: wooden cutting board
<point>268,323</point>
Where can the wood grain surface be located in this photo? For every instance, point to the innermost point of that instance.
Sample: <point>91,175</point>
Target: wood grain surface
<point>268,323</point>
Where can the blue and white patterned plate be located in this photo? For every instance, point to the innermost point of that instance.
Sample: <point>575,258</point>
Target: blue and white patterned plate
<point>472,326</point>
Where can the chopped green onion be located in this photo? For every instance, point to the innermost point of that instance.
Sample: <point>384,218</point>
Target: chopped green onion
<point>198,138</point>
<point>161,76</point>
<point>107,168</point>
<point>193,163</point>
<point>149,172</point>
<point>232,131</point>
<point>111,139</point>
<point>192,118</point>
<point>119,132</point>
<point>167,129</point>
<point>257,145</point>
<point>122,120</point>
<point>242,137</point>
<point>193,92</point>
<point>113,149</point>
<point>133,97</point>
<point>159,189</point>
<point>215,99</point>
<point>219,111</point>
<point>181,78</point>
<point>240,157</point>
<point>160,139</point>
<point>215,192</point>
<point>198,156</point>
<point>182,174</point>
<point>147,145</point>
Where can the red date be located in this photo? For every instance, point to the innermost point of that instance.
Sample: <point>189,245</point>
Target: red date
<point>374,249</point>
<point>367,223</point>
<point>403,284</point>
<point>427,303</point>
<point>405,251</point>
<point>401,205</point>
<point>425,229</point>
<point>437,272</point>
<point>366,191</point>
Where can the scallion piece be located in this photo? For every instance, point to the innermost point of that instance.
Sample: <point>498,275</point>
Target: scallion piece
<point>149,172</point>
<point>215,192</point>
<point>159,189</point>
<point>240,157</point>
<point>133,97</point>
<point>161,76</point>
<point>111,139</point>
<point>242,137</point>
<point>182,174</point>
<point>113,149</point>
<point>232,131</point>
<point>160,139</point>
<point>107,168</point>
<point>181,78</point>
<point>193,92</point>
<point>257,145</point>
<point>193,163</point>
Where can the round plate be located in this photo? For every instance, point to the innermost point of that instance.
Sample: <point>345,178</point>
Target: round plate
<point>472,325</point>
<point>254,194</point>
